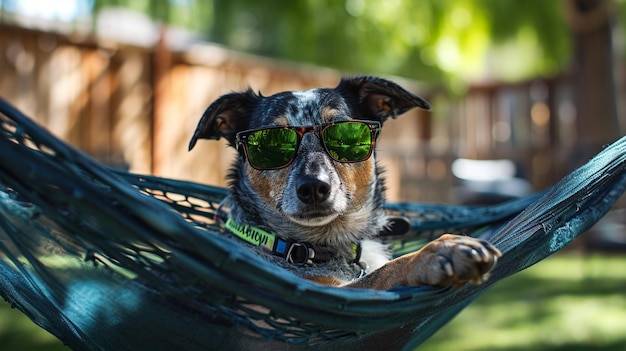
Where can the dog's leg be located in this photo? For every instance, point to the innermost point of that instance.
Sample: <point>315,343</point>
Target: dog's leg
<point>328,281</point>
<point>449,261</point>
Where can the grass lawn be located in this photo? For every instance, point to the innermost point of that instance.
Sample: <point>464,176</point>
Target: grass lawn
<point>567,302</point>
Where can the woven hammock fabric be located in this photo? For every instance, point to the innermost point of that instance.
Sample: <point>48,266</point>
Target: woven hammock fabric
<point>108,260</point>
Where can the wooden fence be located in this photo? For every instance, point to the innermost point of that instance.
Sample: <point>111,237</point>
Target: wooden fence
<point>136,108</point>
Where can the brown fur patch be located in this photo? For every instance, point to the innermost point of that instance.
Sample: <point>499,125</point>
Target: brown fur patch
<point>268,184</point>
<point>281,121</point>
<point>328,114</point>
<point>328,281</point>
<point>357,177</point>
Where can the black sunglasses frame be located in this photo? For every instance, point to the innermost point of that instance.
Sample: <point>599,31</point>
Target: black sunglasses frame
<point>374,126</point>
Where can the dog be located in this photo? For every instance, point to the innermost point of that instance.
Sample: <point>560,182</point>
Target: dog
<point>308,195</point>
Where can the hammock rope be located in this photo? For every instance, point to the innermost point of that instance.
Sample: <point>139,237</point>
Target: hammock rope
<point>110,260</point>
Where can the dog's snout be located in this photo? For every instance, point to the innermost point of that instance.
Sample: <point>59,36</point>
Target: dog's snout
<point>312,190</point>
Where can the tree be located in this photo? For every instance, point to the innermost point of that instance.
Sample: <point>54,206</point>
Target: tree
<point>594,83</point>
<point>437,41</point>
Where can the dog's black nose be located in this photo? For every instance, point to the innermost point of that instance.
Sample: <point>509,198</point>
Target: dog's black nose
<point>311,190</point>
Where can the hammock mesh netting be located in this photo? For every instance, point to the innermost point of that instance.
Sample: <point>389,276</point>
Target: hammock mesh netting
<point>105,259</point>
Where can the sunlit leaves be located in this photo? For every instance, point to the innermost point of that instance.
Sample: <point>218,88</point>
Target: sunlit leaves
<point>432,41</point>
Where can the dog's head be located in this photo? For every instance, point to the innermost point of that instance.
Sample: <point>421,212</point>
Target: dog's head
<point>305,168</point>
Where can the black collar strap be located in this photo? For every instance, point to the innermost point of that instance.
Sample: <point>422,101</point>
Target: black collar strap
<point>294,252</point>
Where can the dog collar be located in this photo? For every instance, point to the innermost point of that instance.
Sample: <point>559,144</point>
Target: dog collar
<point>294,252</point>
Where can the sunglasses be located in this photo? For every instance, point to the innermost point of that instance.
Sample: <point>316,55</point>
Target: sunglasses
<point>276,147</point>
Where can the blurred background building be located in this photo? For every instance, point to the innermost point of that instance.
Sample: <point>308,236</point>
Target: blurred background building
<point>522,92</point>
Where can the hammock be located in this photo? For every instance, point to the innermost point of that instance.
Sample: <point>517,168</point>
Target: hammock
<point>108,260</point>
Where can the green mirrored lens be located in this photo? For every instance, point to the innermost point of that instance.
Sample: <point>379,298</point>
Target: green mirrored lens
<point>271,148</point>
<point>348,142</point>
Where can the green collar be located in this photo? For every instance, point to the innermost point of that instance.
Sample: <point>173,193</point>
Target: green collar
<point>294,252</point>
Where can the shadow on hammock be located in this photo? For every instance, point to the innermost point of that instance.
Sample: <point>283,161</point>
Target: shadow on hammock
<point>109,260</point>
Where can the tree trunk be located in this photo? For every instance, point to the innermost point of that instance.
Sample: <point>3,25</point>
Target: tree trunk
<point>593,76</point>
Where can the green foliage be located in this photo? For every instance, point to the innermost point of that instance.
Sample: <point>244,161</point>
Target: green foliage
<point>195,15</point>
<point>433,41</point>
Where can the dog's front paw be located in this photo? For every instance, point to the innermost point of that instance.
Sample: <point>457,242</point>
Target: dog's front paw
<point>454,260</point>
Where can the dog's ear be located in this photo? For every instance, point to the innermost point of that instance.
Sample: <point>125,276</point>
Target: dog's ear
<point>225,117</point>
<point>377,98</point>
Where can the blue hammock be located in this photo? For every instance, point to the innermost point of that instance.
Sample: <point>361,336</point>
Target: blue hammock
<point>108,260</point>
